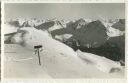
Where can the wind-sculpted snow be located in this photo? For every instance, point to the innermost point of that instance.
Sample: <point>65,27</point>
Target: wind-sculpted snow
<point>102,63</point>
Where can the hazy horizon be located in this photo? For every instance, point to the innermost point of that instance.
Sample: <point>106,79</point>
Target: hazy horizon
<point>65,10</point>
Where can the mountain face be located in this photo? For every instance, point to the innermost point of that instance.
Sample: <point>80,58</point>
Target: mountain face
<point>114,49</point>
<point>45,25</point>
<point>104,38</point>
<point>120,25</point>
<point>92,34</point>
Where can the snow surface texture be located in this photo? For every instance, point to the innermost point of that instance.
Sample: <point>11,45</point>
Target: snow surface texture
<point>61,61</point>
<point>22,63</point>
<point>102,63</point>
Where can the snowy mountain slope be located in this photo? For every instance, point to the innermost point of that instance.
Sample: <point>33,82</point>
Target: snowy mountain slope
<point>35,39</point>
<point>59,60</point>
<point>102,63</point>
<point>20,63</point>
<point>32,23</point>
<point>120,25</point>
<point>56,26</point>
<point>64,37</point>
<point>112,32</point>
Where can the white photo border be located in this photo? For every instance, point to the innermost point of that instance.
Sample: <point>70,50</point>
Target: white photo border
<point>63,80</point>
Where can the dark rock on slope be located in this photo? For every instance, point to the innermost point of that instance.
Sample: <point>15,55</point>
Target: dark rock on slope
<point>45,25</point>
<point>14,23</point>
<point>114,48</point>
<point>90,35</point>
<point>110,49</point>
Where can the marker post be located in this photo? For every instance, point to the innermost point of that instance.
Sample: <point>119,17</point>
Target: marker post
<point>38,52</point>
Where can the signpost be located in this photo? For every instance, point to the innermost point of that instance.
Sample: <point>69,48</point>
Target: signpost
<point>37,50</point>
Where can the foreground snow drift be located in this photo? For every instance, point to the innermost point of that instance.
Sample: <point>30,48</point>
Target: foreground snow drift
<point>21,63</point>
<point>102,63</point>
<point>59,60</point>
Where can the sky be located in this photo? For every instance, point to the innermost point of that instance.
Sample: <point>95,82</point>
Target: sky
<point>65,10</point>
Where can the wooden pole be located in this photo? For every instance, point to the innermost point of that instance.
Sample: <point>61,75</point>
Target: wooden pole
<point>37,50</point>
<point>39,56</point>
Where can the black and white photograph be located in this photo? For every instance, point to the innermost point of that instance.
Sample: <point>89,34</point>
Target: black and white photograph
<point>64,40</point>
